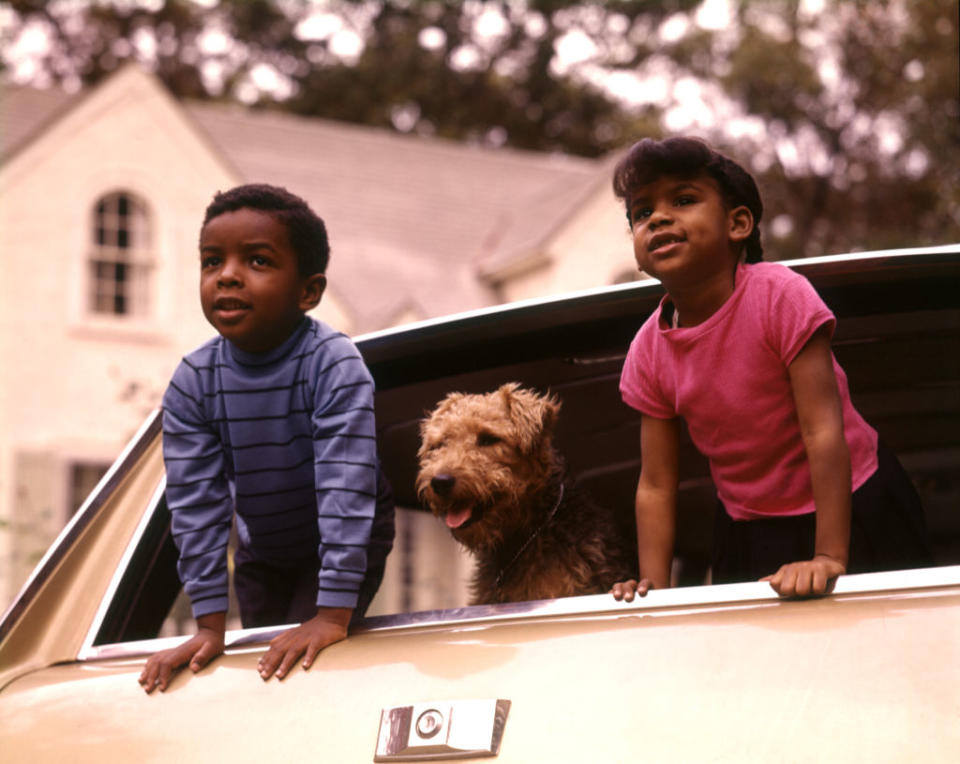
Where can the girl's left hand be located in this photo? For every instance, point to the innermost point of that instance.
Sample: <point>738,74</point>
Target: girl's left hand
<point>806,578</point>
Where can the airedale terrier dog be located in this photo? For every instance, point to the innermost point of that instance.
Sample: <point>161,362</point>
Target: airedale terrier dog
<point>488,467</point>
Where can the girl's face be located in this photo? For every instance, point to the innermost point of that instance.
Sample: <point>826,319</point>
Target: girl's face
<point>251,289</point>
<point>683,232</point>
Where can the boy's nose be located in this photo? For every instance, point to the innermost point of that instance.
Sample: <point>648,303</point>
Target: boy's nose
<point>229,274</point>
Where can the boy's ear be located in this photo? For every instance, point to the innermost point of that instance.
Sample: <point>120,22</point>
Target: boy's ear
<point>741,223</point>
<point>313,287</point>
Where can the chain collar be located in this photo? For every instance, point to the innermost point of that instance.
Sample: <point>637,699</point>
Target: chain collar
<point>522,549</point>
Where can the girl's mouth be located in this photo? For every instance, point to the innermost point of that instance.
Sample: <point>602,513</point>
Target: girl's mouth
<point>663,243</point>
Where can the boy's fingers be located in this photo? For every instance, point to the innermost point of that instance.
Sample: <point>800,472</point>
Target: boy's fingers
<point>201,658</point>
<point>163,678</point>
<point>148,679</point>
<point>312,652</point>
<point>267,664</point>
<point>271,662</point>
<point>289,658</point>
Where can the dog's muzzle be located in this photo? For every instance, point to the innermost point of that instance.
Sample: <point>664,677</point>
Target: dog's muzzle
<point>442,484</point>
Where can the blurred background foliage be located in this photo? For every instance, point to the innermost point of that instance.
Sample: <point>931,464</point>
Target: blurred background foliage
<point>848,111</point>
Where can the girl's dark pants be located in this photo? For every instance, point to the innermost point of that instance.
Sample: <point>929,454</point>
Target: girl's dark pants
<point>887,532</point>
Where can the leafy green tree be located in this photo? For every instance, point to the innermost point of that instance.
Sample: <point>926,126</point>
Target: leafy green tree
<point>858,104</point>
<point>847,112</point>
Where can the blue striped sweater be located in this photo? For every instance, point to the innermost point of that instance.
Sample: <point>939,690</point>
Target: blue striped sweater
<point>287,440</point>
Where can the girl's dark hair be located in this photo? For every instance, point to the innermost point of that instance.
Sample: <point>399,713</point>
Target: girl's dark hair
<point>650,159</point>
<point>308,234</point>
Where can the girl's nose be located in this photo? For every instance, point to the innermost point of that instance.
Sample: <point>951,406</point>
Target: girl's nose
<point>658,216</point>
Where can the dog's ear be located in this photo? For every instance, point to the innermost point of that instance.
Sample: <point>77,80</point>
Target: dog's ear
<point>533,415</point>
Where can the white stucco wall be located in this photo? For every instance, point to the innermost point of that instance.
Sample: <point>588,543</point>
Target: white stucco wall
<point>591,250</point>
<point>75,386</point>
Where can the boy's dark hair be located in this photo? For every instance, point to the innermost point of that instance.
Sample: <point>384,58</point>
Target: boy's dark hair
<point>649,159</point>
<point>308,234</point>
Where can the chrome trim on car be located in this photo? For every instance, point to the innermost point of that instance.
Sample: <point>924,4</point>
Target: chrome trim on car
<point>87,649</point>
<point>657,602</point>
<point>131,453</point>
<point>442,730</point>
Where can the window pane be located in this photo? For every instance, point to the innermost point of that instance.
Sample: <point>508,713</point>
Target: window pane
<point>119,283</point>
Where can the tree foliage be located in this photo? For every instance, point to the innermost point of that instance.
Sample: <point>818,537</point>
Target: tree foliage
<point>847,112</point>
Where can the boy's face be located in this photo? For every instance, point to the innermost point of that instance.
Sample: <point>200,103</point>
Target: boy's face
<point>251,290</point>
<point>683,232</point>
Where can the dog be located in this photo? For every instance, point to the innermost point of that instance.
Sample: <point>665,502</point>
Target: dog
<point>488,468</point>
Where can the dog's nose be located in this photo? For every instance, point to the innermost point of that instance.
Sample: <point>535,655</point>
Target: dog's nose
<point>442,484</point>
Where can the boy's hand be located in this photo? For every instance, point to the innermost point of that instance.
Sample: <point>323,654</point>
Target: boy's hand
<point>198,651</point>
<point>625,590</point>
<point>329,625</point>
<point>807,578</point>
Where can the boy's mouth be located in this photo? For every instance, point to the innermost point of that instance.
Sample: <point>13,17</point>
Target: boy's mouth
<point>230,304</point>
<point>230,308</point>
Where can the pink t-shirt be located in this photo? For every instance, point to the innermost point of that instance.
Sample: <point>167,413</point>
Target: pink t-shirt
<point>728,379</point>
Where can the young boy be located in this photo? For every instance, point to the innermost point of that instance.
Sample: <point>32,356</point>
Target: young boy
<point>742,353</point>
<point>272,420</point>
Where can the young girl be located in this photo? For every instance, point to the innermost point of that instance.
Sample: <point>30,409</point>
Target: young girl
<point>740,349</point>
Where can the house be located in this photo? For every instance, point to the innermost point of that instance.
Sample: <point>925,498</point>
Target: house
<point>101,196</point>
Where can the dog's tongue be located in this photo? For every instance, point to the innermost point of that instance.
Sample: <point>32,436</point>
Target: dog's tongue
<point>457,517</point>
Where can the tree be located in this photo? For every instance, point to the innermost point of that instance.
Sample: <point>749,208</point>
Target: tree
<point>859,118</point>
<point>848,113</point>
<point>479,71</point>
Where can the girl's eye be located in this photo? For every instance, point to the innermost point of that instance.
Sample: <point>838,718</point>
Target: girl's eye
<point>259,260</point>
<point>642,213</point>
<point>487,439</point>
<point>683,200</point>
<point>209,262</point>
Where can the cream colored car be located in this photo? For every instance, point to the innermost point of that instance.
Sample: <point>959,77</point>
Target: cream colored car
<point>695,673</point>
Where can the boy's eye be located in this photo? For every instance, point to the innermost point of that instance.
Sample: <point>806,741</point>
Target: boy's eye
<point>259,260</point>
<point>682,200</point>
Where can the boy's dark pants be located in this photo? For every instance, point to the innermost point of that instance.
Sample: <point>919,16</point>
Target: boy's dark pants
<point>887,532</point>
<point>271,594</point>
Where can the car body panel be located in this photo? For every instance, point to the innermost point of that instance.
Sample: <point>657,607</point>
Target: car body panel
<point>660,679</point>
<point>725,673</point>
<point>51,618</point>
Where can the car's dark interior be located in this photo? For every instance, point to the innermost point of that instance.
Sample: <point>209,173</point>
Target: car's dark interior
<point>898,338</point>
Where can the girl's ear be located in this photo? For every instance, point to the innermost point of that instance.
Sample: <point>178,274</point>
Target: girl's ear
<point>313,287</point>
<point>741,223</point>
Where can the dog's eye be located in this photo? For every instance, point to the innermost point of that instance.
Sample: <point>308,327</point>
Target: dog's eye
<point>487,439</point>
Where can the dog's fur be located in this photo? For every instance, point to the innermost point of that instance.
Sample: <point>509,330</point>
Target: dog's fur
<point>489,469</point>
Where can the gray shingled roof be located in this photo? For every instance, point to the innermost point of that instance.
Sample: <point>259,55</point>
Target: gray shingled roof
<point>26,112</point>
<point>411,219</point>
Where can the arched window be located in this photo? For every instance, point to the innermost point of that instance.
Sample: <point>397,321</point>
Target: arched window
<point>120,257</point>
